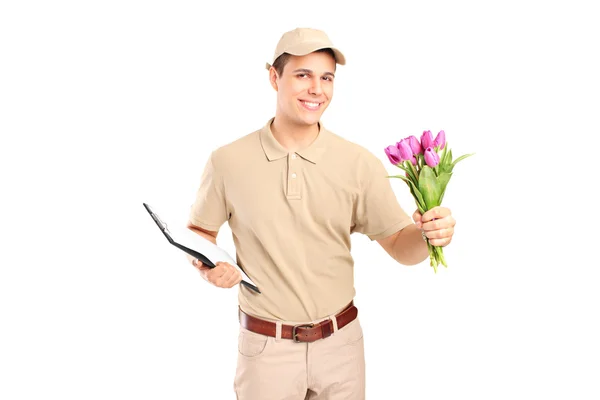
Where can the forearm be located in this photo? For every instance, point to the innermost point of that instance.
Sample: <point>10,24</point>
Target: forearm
<point>409,247</point>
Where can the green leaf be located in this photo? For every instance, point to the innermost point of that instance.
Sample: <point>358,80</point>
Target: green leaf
<point>412,167</point>
<point>404,178</point>
<point>461,158</point>
<point>412,172</point>
<point>429,188</point>
<point>402,167</point>
<point>444,155</point>
<point>413,190</point>
<point>418,197</point>
<point>445,164</point>
<point>443,180</point>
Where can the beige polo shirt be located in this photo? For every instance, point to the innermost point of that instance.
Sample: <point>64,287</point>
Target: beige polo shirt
<point>291,216</point>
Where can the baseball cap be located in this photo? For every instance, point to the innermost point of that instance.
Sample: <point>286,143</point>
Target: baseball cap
<point>302,41</point>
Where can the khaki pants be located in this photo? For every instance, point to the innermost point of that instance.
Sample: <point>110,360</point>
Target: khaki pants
<point>270,368</point>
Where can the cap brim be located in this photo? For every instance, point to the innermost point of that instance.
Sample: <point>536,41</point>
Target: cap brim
<point>307,48</point>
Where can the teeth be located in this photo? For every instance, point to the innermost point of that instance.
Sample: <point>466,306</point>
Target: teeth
<point>311,104</point>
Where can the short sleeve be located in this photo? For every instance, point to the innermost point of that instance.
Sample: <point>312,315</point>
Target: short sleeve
<point>209,210</point>
<point>378,213</point>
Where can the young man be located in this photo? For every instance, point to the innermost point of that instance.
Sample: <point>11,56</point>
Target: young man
<point>293,193</point>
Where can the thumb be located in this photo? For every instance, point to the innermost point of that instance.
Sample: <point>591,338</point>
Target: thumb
<point>417,218</point>
<point>200,266</point>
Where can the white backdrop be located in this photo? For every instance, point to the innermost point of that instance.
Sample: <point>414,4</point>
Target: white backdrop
<point>106,105</point>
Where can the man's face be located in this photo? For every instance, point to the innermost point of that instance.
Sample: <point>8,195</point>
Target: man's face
<point>305,88</point>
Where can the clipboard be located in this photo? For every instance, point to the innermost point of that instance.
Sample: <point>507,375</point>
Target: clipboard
<point>246,281</point>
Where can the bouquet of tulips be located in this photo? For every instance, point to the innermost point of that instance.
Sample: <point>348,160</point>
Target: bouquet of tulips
<point>427,166</point>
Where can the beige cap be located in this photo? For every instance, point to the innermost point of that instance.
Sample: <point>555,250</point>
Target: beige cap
<point>302,41</point>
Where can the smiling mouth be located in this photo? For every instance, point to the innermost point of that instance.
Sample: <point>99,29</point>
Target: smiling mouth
<point>310,105</point>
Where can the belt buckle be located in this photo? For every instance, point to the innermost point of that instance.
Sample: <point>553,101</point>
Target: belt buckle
<point>294,334</point>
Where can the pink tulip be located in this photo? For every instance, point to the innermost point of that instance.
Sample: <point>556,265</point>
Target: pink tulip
<point>440,140</point>
<point>406,152</point>
<point>415,145</point>
<point>393,154</point>
<point>426,139</point>
<point>431,157</point>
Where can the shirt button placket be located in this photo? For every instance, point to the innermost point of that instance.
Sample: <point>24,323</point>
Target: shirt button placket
<point>293,176</point>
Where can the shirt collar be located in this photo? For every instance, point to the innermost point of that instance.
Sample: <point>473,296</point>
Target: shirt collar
<point>274,150</point>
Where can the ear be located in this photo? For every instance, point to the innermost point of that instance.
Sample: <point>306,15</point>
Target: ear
<point>273,78</point>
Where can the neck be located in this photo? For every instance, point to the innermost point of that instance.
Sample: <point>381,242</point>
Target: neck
<point>293,136</point>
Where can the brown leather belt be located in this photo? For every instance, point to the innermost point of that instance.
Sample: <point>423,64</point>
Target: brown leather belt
<point>302,332</point>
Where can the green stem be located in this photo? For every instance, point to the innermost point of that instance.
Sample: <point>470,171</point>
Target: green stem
<point>440,256</point>
<point>432,257</point>
<point>414,170</point>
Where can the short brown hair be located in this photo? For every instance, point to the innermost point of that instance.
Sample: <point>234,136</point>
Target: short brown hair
<point>283,59</point>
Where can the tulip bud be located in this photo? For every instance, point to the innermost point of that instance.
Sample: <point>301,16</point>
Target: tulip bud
<point>393,154</point>
<point>415,145</point>
<point>405,150</point>
<point>426,139</point>
<point>440,140</point>
<point>431,157</point>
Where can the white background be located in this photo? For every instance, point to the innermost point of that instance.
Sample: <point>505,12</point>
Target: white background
<point>106,105</point>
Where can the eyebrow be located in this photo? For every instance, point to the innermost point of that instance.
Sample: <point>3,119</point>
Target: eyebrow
<point>308,71</point>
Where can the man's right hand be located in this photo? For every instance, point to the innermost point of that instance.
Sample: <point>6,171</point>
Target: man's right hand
<point>223,275</point>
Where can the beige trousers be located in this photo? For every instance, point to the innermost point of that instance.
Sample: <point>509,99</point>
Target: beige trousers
<point>270,368</point>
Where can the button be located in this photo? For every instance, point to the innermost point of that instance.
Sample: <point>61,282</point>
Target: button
<point>294,175</point>
<point>294,156</point>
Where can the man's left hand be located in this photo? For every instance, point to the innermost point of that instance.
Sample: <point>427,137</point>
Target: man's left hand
<point>437,224</point>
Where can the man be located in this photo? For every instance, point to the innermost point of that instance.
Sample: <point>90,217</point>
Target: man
<point>293,193</point>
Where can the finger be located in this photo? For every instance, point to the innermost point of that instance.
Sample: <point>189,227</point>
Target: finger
<point>220,269</point>
<point>232,277</point>
<point>203,269</point>
<point>226,276</point>
<point>225,267</point>
<point>417,218</point>
<point>435,213</point>
<point>229,280</point>
<point>445,233</point>
<point>199,265</point>
<point>441,223</point>
<point>216,273</point>
<point>440,242</point>
<point>235,278</point>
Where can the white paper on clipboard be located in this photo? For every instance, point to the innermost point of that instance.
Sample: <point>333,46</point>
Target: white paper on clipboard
<point>213,252</point>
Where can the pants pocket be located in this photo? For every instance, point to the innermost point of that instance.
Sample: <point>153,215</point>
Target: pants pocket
<point>252,344</point>
<point>352,333</point>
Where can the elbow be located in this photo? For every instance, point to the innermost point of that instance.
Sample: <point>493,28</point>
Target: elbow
<point>409,248</point>
<point>209,235</point>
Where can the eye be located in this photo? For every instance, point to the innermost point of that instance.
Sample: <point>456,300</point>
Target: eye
<point>328,78</point>
<point>302,75</point>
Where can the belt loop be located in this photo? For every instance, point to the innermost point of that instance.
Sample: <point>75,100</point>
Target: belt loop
<point>335,326</point>
<point>277,331</point>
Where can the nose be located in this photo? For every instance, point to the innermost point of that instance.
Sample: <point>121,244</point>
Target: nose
<point>315,87</point>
